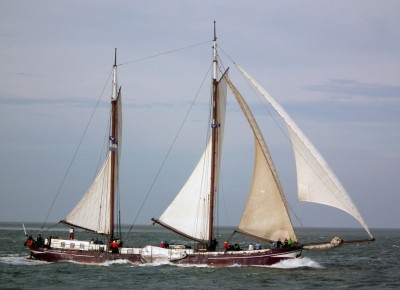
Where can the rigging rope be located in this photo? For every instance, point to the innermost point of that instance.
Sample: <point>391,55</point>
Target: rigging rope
<point>91,117</point>
<point>163,53</point>
<point>76,151</point>
<point>169,151</point>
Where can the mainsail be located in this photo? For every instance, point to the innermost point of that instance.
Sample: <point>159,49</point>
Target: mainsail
<point>95,211</point>
<point>189,213</point>
<point>315,180</point>
<point>265,215</point>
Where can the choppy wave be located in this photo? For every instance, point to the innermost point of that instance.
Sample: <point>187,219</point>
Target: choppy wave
<point>105,264</point>
<point>18,260</point>
<point>366,266</point>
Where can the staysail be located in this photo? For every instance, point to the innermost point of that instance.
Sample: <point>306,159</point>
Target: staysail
<point>94,211</point>
<point>265,215</point>
<point>315,180</point>
<point>189,213</point>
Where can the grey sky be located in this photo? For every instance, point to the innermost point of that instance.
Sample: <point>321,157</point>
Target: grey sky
<point>333,65</point>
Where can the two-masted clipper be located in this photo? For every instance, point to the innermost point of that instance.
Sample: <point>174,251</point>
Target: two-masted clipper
<point>95,211</point>
<point>191,214</point>
<point>265,217</point>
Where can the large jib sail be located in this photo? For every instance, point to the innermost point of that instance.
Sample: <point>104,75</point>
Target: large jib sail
<point>94,211</point>
<point>315,180</point>
<point>265,215</point>
<point>189,213</point>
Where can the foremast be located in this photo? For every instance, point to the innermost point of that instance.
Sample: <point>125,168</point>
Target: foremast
<point>113,145</point>
<point>96,210</point>
<point>214,139</point>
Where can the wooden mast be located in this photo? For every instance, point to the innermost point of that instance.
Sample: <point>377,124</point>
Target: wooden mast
<point>214,128</point>
<point>113,145</point>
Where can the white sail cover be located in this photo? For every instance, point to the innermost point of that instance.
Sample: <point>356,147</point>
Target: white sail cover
<point>93,210</point>
<point>189,212</point>
<point>265,214</point>
<point>315,180</point>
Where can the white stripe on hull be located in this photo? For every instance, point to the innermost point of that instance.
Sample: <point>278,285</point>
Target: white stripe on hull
<point>60,253</point>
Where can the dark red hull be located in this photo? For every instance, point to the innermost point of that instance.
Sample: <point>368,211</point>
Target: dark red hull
<point>87,257</point>
<point>266,257</point>
<point>241,258</point>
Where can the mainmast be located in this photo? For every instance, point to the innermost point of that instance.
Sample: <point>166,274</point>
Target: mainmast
<point>214,128</point>
<point>113,144</point>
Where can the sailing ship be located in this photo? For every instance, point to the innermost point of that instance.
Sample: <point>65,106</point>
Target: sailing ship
<point>95,212</point>
<point>192,214</point>
<point>265,217</point>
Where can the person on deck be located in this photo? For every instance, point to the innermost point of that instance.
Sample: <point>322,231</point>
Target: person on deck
<point>213,245</point>
<point>71,233</point>
<point>114,246</point>
<point>285,244</point>
<point>226,246</point>
<point>39,241</point>
<point>29,242</point>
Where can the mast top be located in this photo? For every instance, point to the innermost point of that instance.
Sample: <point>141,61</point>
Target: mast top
<point>114,82</point>
<point>215,56</point>
<point>215,33</point>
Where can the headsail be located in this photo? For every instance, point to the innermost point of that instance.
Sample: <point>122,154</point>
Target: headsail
<point>189,212</point>
<point>95,210</point>
<point>315,180</point>
<point>265,215</point>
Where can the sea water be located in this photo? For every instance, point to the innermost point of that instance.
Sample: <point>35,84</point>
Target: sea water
<point>363,266</point>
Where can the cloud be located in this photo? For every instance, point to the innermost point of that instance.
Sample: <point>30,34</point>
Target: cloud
<point>22,101</point>
<point>355,91</point>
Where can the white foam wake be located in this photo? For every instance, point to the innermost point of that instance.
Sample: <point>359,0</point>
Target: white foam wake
<point>285,264</point>
<point>297,263</point>
<point>116,262</point>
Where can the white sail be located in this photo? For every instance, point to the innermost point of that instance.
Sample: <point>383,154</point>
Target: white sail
<point>265,214</point>
<point>93,212</point>
<point>189,212</point>
<point>315,180</point>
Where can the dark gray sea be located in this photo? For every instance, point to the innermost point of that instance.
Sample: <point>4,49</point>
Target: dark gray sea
<point>359,266</point>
